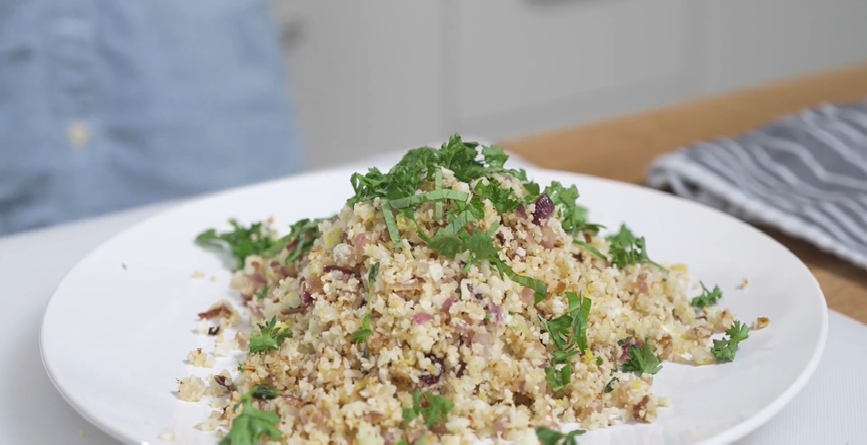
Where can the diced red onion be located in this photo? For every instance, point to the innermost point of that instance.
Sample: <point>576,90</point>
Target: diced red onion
<point>522,211</point>
<point>361,241</point>
<point>257,278</point>
<point>422,317</point>
<point>548,237</point>
<point>528,295</point>
<point>496,312</point>
<point>481,338</point>
<point>306,297</point>
<point>447,305</point>
<point>544,209</point>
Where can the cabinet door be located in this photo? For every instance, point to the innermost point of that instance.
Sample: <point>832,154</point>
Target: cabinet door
<point>520,57</point>
<point>755,41</point>
<point>365,77</point>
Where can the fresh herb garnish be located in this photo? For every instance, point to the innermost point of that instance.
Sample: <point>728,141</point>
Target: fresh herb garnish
<point>242,241</point>
<point>610,386</point>
<point>641,360</point>
<point>262,293</point>
<point>573,216</point>
<point>269,338</point>
<point>724,350</point>
<point>300,239</point>
<point>548,436</point>
<point>590,249</point>
<point>707,298</point>
<point>568,332</point>
<point>433,409</point>
<point>361,335</point>
<point>626,249</point>
<point>371,276</point>
<point>264,392</point>
<point>249,427</point>
<point>241,367</point>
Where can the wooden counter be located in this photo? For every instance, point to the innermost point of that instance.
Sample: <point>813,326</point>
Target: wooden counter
<point>623,148</point>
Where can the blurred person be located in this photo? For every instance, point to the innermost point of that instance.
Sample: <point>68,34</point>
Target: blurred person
<point>109,104</point>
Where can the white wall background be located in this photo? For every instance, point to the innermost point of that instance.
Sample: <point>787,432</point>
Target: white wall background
<point>378,75</point>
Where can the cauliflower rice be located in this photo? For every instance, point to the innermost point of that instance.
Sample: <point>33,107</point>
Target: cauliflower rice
<point>466,333</point>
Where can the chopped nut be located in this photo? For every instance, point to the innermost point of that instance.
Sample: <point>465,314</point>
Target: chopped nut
<point>761,323</point>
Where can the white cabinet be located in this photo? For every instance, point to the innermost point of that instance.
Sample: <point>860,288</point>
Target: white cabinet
<point>379,75</point>
<point>366,77</point>
<point>526,65</point>
<point>754,41</point>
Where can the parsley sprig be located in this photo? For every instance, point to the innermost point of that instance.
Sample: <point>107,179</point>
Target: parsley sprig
<point>433,408</point>
<point>573,216</point>
<point>707,298</point>
<point>724,350</point>
<point>642,360</point>
<point>568,332</point>
<point>269,337</point>
<point>626,249</point>
<point>300,239</point>
<point>361,335</point>
<point>249,427</point>
<point>548,436</point>
<point>242,241</point>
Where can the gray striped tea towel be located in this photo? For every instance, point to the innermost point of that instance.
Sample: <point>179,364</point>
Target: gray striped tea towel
<point>805,174</point>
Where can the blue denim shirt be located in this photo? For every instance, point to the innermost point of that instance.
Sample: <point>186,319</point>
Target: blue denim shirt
<point>108,104</point>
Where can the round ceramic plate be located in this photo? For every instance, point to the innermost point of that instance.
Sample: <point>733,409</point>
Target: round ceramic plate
<point>117,330</point>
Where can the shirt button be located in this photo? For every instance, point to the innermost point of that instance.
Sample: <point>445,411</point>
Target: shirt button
<point>78,134</point>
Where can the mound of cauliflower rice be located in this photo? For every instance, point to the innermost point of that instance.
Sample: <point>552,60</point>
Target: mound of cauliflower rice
<point>450,300</point>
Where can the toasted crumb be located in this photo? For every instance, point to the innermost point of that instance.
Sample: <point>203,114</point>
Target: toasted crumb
<point>213,279</point>
<point>147,423</point>
<point>201,359</point>
<point>197,275</point>
<point>208,425</point>
<point>761,323</point>
<point>744,284</point>
<point>191,389</point>
<point>167,435</point>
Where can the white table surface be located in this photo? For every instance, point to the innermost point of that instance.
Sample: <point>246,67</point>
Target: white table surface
<point>829,410</point>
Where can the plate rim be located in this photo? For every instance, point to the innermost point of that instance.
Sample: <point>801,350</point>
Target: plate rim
<point>736,432</point>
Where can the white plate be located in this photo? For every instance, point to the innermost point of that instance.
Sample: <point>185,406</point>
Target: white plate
<point>119,326</point>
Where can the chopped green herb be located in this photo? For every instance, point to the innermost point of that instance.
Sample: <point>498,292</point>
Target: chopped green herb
<point>264,392</point>
<point>488,315</point>
<point>249,427</point>
<point>573,216</point>
<point>610,386</point>
<point>241,241</point>
<point>269,337</point>
<point>371,276</point>
<point>262,293</point>
<point>707,298</point>
<point>598,361</point>
<point>503,199</point>
<point>568,332</point>
<point>361,335</point>
<point>626,249</point>
<point>303,234</point>
<point>558,378</point>
<point>391,224</point>
<point>438,184</point>
<point>724,350</point>
<point>590,249</point>
<point>641,360</point>
<point>433,409</point>
<point>624,341</point>
<point>548,436</point>
<point>438,195</point>
<point>241,367</point>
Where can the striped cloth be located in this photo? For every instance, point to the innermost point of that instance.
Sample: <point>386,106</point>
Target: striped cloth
<point>805,174</point>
